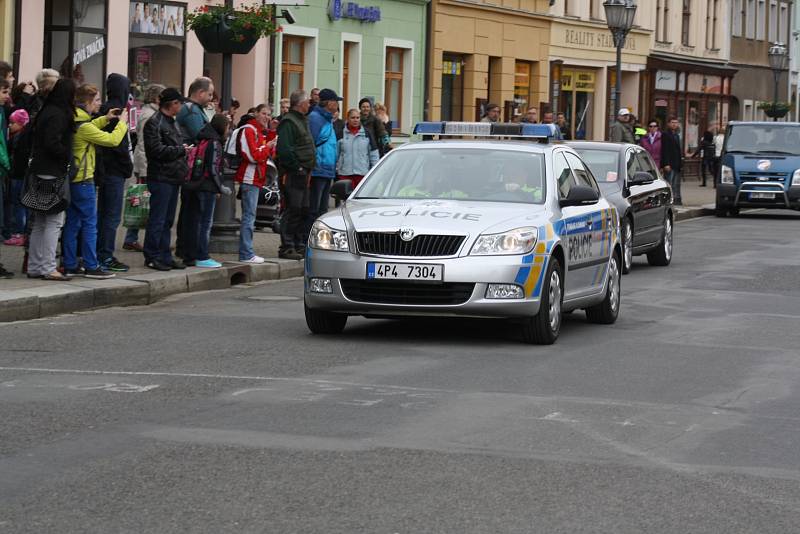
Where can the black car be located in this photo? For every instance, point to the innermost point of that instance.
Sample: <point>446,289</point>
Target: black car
<point>629,179</point>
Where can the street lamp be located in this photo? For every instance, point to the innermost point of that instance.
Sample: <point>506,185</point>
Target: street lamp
<point>777,62</point>
<point>619,16</point>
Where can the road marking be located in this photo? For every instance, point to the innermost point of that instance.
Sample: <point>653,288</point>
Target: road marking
<point>121,387</point>
<point>220,377</point>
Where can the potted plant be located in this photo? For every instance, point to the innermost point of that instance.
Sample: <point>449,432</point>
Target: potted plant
<point>222,29</point>
<point>775,110</point>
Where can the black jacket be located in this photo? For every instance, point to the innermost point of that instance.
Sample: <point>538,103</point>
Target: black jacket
<point>53,131</point>
<point>671,151</point>
<point>166,157</point>
<point>117,161</point>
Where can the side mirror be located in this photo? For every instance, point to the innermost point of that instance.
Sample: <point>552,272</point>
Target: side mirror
<point>580,195</point>
<point>341,189</point>
<point>641,178</point>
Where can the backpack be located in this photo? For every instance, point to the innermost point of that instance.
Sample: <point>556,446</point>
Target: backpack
<point>198,167</point>
<point>232,152</point>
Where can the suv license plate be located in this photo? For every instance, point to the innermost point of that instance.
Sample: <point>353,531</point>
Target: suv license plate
<point>405,271</point>
<point>764,196</point>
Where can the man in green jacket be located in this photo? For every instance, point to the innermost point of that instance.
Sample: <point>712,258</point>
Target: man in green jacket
<point>296,158</point>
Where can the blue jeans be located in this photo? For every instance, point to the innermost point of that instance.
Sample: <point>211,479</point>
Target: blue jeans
<point>674,179</point>
<point>199,215</point>
<point>109,215</point>
<point>320,197</point>
<point>81,219</point>
<point>5,226</point>
<point>249,205</point>
<point>20,211</point>
<point>158,235</point>
<point>131,236</point>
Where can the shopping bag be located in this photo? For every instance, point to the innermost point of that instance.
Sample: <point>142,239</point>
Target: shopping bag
<point>137,206</point>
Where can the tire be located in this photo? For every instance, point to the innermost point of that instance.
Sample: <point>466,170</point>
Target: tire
<point>544,327</point>
<point>324,322</point>
<point>661,256</point>
<point>721,212</point>
<point>734,212</point>
<point>607,311</point>
<point>627,245</point>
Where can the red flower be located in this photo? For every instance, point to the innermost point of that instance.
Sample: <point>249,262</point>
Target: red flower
<point>280,29</point>
<point>204,9</point>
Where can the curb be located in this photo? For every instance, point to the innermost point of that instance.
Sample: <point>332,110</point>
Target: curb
<point>82,294</point>
<point>692,213</point>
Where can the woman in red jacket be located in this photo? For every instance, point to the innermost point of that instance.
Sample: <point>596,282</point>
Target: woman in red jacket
<point>251,175</point>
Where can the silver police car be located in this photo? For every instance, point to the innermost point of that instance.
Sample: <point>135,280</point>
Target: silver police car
<point>479,220</point>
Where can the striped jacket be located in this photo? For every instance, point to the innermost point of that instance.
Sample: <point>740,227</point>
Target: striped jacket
<point>254,153</point>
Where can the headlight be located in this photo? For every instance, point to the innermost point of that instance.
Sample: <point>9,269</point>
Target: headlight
<point>326,238</point>
<point>796,177</point>
<point>518,241</point>
<point>726,175</point>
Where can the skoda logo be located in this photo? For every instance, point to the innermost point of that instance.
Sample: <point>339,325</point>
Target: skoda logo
<point>406,233</point>
<point>764,164</point>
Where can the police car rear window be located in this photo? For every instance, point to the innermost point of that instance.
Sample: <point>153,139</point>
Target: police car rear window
<point>458,174</point>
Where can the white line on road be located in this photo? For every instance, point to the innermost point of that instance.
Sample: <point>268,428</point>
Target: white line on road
<point>217,376</point>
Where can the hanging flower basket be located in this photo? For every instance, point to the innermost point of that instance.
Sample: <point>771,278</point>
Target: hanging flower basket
<point>775,110</point>
<point>222,30</point>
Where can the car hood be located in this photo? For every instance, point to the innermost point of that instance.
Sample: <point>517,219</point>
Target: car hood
<point>756,163</point>
<point>436,216</point>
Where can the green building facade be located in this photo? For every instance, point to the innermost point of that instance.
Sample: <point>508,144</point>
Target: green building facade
<point>369,48</point>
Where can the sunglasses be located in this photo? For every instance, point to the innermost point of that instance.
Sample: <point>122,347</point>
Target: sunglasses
<point>653,126</point>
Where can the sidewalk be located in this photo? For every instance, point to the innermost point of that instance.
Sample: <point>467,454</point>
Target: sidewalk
<point>697,201</point>
<point>23,298</point>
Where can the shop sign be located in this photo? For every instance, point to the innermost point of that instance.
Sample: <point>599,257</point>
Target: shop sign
<point>337,9</point>
<point>89,50</point>
<point>577,80</point>
<point>595,39</point>
<point>666,80</point>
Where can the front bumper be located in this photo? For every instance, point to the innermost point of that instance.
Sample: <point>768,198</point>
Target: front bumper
<point>732,195</point>
<point>525,271</point>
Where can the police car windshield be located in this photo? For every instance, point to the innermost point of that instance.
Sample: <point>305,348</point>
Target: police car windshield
<point>764,139</point>
<point>458,174</point>
<point>604,164</point>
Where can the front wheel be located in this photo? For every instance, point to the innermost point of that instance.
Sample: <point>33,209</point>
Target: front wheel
<point>544,327</point>
<point>324,322</point>
<point>661,256</point>
<point>627,245</point>
<point>607,311</point>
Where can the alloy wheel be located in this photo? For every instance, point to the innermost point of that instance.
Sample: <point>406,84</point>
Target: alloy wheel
<point>555,301</point>
<point>628,245</point>
<point>668,239</point>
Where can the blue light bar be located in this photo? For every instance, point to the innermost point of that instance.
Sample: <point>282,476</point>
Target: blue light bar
<point>541,132</point>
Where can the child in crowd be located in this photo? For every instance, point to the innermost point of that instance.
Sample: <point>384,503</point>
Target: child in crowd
<point>16,124</point>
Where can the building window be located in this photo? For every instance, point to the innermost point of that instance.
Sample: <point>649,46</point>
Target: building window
<point>662,20</point>
<point>736,30</point>
<point>75,39</point>
<point>784,31</point>
<point>761,20</point>
<point>711,25</point>
<point>686,22</point>
<point>522,85</point>
<point>772,31</point>
<point>750,19</point>
<point>348,48</point>
<point>292,64</point>
<point>393,85</point>
<point>595,10</point>
<point>452,87</point>
<point>155,46</point>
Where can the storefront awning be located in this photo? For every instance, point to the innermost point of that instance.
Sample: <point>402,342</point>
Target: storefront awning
<point>656,62</point>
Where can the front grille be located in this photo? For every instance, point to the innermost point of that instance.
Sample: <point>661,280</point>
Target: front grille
<point>403,292</point>
<point>763,176</point>
<point>385,244</point>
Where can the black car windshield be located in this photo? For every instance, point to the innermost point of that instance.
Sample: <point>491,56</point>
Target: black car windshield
<point>774,138</point>
<point>604,164</point>
<point>485,175</point>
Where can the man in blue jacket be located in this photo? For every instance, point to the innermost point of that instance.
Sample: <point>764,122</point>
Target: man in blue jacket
<point>320,122</point>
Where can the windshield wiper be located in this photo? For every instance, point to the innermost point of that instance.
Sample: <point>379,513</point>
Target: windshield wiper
<point>739,152</point>
<point>776,152</point>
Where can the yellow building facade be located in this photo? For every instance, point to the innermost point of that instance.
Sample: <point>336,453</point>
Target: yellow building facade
<point>484,53</point>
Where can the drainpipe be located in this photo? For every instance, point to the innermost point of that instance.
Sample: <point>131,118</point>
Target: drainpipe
<point>426,110</point>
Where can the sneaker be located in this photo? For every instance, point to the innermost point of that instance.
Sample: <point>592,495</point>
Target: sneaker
<point>190,263</point>
<point>98,274</point>
<point>4,273</point>
<point>16,240</point>
<point>114,265</point>
<point>72,273</point>
<point>177,265</point>
<point>135,246</point>
<point>208,264</point>
<point>290,254</point>
<point>254,259</point>
<point>157,265</point>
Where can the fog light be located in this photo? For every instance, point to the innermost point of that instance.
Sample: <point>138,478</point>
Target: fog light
<point>504,291</point>
<point>320,285</point>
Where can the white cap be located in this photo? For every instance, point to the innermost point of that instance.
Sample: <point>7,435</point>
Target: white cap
<point>624,111</point>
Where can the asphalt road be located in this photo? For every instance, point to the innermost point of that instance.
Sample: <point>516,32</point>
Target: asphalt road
<point>219,412</point>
